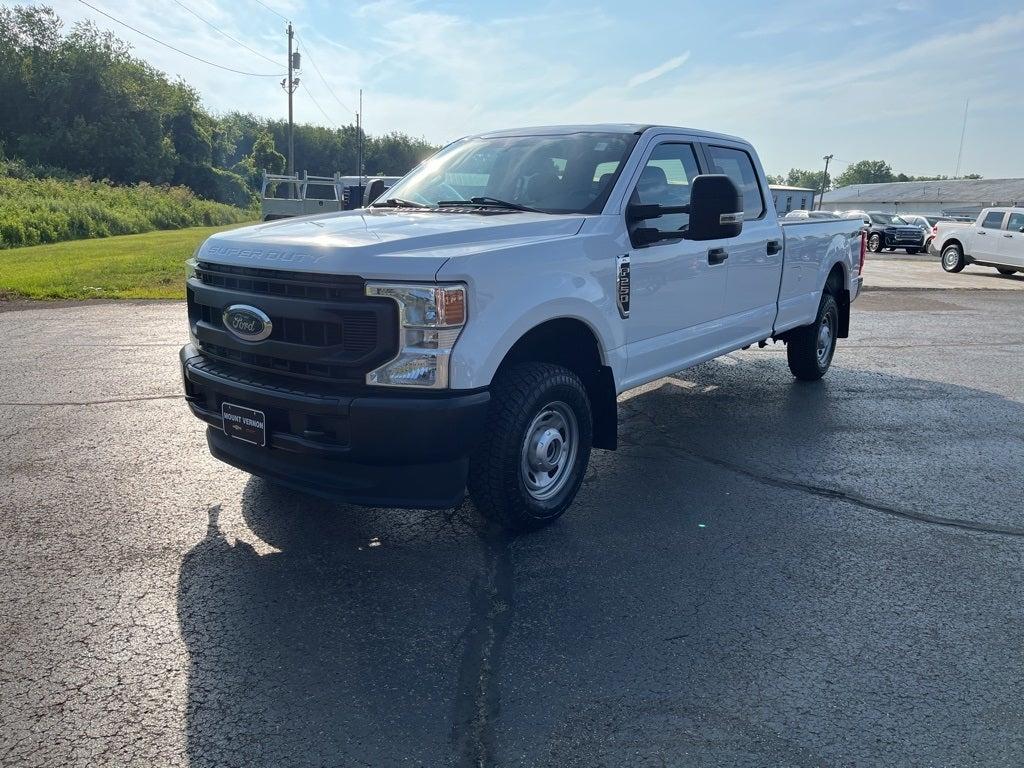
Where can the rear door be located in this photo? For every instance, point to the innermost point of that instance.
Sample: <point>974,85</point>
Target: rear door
<point>755,256</point>
<point>987,236</point>
<point>1011,244</point>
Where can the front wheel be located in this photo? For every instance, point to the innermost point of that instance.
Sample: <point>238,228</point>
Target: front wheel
<point>809,349</point>
<point>1005,270</point>
<point>953,258</point>
<point>539,432</point>
<point>875,243</point>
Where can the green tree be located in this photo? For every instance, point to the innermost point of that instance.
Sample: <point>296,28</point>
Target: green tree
<point>797,177</point>
<point>265,156</point>
<point>866,172</point>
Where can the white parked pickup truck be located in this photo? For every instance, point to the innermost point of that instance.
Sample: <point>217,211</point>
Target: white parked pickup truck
<point>996,239</point>
<point>473,327</point>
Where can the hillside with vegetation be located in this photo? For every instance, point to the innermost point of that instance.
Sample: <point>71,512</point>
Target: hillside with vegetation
<point>77,105</point>
<point>35,211</point>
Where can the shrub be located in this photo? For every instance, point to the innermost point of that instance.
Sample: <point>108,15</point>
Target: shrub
<point>34,211</point>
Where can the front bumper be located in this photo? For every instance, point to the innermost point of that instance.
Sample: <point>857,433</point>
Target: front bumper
<point>902,241</point>
<point>376,449</point>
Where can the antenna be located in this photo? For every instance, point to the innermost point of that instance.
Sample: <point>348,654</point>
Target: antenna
<point>963,132</point>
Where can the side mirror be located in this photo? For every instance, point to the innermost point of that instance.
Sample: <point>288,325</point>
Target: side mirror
<point>1021,229</point>
<point>374,189</point>
<point>716,208</point>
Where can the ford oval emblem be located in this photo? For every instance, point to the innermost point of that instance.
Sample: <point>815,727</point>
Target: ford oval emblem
<point>247,323</point>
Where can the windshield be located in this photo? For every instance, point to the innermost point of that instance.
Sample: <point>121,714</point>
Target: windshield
<point>571,173</point>
<point>886,218</point>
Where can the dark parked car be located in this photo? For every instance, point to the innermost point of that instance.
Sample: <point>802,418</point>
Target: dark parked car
<point>888,230</point>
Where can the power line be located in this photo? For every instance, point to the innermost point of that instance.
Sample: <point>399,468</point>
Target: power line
<point>282,18</point>
<point>229,37</point>
<point>313,99</point>
<point>177,50</point>
<point>326,84</point>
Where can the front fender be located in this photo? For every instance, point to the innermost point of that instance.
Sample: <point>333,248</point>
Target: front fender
<point>513,291</point>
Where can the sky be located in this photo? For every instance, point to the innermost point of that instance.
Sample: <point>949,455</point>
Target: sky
<point>874,79</point>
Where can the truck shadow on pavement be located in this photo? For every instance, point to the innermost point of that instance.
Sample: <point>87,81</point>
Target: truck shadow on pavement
<point>704,596</point>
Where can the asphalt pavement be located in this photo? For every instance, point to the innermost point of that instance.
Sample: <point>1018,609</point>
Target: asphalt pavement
<point>767,573</point>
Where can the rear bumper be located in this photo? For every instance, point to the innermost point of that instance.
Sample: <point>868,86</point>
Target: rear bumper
<point>375,449</point>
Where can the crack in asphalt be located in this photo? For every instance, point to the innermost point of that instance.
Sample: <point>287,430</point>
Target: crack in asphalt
<point>838,495</point>
<point>141,398</point>
<point>477,697</point>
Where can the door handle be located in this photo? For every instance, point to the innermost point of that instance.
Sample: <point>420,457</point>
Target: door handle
<point>982,233</point>
<point>774,246</point>
<point>1007,235</point>
<point>717,255</point>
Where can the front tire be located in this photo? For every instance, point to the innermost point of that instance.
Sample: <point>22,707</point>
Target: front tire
<point>1006,271</point>
<point>539,433</point>
<point>953,258</point>
<point>809,349</point>
<point>875,242</point>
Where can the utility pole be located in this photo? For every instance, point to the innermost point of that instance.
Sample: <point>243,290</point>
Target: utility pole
<point>290,84</point>
<point>359,138</point>
<point>824,179</point>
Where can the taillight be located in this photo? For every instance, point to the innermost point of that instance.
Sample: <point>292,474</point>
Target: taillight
<point>863,250</point>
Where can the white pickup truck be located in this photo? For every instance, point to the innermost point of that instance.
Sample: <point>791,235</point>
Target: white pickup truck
<point>474,326</point>
<point>995,239</point>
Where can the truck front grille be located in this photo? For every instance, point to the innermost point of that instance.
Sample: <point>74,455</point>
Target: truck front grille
<point>323,326</point>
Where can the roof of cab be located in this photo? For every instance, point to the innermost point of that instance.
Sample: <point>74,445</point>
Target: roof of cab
<point>558,130</point>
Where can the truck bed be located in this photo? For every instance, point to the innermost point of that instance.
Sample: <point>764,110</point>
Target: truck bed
<point>809,245</point>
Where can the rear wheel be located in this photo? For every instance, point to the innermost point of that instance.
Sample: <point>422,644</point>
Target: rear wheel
<point>539,433</point>
<point>1005,270</point>
<point>952,258</point>
<point>809,349</point>
<point>875,242</point>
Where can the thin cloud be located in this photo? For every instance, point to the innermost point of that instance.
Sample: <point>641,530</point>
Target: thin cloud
<point>658,71</point>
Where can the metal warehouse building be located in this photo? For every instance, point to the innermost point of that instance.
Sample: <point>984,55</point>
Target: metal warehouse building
<point>949,197</point>
<point>791,198</point>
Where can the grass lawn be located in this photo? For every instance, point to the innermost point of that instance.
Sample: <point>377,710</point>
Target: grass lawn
<point>147,266</point>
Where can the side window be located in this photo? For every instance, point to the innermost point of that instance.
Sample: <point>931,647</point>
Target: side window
<point>993,220</point>
<point>665,180</point>
<point>1016,222</point>
<point>737,165</point>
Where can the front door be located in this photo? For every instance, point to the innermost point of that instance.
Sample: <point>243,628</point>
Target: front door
<point>1011,244</point>
<point>677,295</point>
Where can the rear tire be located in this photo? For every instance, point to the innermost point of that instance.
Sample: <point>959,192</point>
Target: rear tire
<point>953,258</point>
<point>875,242</point>
<point>809,349</point>
<point>1006,271</point>
<point>539,433</point>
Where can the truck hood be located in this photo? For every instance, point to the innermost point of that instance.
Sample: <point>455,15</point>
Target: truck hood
<point>381,244</point>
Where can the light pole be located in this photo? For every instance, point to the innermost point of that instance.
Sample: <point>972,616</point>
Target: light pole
<point>824,179</point>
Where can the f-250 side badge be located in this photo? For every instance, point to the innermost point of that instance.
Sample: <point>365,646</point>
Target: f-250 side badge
<point>622,284</point>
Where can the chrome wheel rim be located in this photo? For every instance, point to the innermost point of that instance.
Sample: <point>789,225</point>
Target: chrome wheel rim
<point>950,258</point>
<point>875,242</point>
<point>826,334</point>
<point>549,451</point>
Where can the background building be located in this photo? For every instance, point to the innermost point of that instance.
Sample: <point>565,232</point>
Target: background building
<point>950,196</point>
<point>791,198</point>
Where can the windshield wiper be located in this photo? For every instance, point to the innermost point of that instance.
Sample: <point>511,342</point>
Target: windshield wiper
<point>399,202</point>
<point>489,202</point>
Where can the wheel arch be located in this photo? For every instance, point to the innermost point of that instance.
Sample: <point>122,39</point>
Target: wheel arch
<point>573,344</point>
<point>837,284</point>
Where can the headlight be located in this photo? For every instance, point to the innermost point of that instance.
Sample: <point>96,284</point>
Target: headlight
<point>430,318</point>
